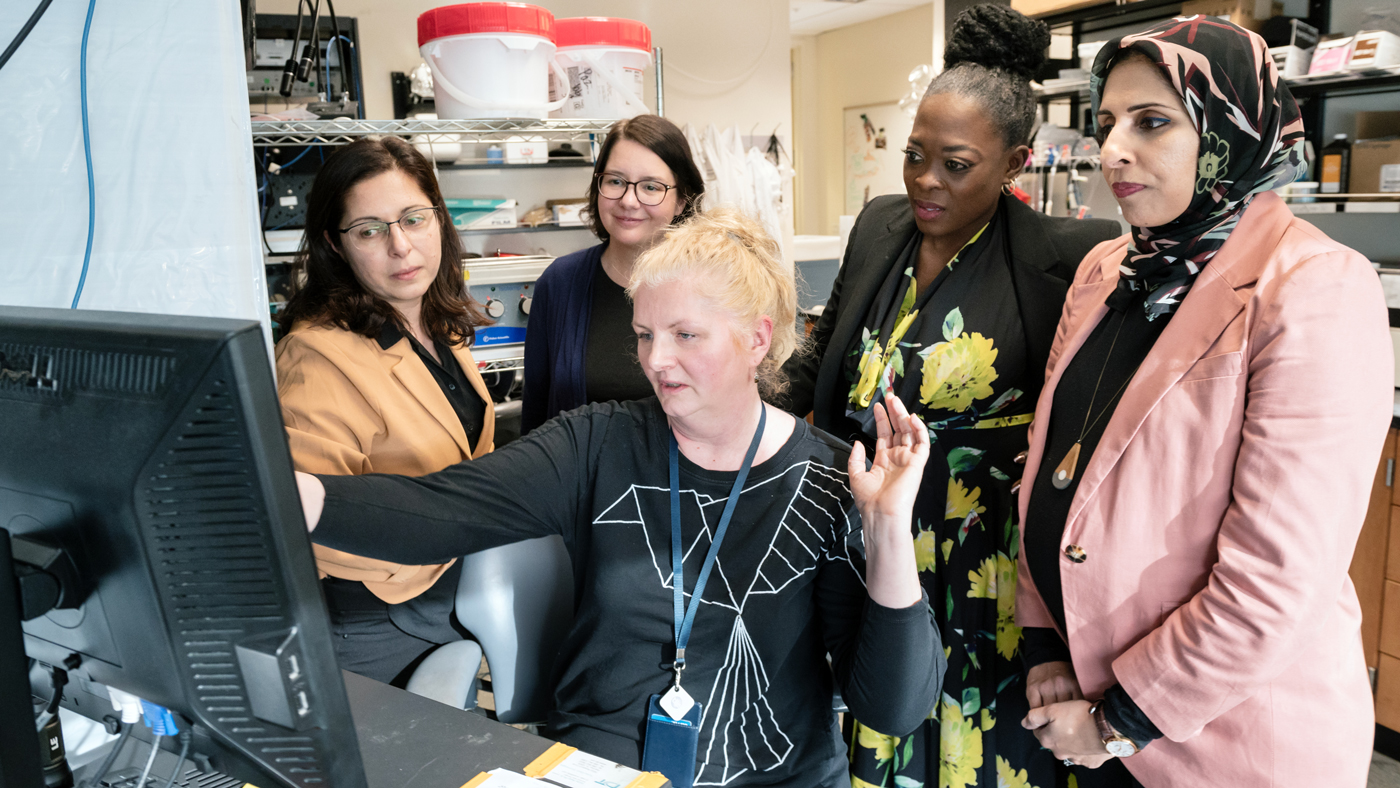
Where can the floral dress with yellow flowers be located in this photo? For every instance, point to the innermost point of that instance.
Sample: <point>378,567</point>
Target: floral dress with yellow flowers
<point>956,355</point>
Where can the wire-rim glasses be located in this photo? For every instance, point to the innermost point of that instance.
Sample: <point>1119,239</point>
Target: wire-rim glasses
<point>372,234</point>
<point>649,192</point>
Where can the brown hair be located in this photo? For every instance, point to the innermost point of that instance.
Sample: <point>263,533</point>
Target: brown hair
<point>331,294</point>
<point>662,137</point>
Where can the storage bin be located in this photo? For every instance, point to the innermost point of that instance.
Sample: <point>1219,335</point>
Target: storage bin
<point>489,60</point>
<point>603,63</point>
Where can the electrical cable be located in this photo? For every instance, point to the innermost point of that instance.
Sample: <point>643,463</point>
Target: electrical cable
<point>111,758</point>
<point>262,225</point>
<point>24,32</point>
<point>352,75</point>
<point>298,157</point>
<point>146,772</point>
<point>87,154</point>
<point>185,737</point>
<point>289,70</point>
<point>312,50</point>
<point>59,680</point>
<point>346,77</point>
<point>262,217</point>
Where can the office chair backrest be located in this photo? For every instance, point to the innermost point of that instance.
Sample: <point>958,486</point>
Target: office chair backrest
<point>517,600</point>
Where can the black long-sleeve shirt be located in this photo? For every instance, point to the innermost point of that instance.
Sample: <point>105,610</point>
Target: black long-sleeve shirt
<point>787,588</point>
<point>1085,401</point>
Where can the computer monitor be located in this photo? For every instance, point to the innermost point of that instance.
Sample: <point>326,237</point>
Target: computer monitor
<point>150,450</point>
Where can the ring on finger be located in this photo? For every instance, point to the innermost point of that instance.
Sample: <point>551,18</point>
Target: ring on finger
<point>1068,762</point>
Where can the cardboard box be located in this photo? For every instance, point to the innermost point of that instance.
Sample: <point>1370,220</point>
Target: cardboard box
<point>1374,49</point>
<point>1375,167</point>
<point>568,212</point>
<point>1374,125</point>
<point>1248,14</point>
<point>1045,7</point>
<point>570,215</point>
<point>482,214</point>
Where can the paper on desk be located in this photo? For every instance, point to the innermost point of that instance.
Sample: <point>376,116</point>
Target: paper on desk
<point>581,770</point>
<point>502,778</point>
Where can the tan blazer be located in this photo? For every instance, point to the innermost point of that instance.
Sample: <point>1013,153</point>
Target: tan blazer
<point>353,408</point>
<point>1219,513</point>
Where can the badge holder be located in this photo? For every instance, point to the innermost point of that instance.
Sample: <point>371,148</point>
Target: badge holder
<point>672,738</point>
<point>672,734</point>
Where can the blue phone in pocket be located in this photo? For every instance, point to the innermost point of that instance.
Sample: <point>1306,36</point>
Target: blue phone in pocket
<point>670,745</point>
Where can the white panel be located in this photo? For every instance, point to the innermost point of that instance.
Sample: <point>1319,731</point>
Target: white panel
<point>176,204</point>
<point>808,18</point>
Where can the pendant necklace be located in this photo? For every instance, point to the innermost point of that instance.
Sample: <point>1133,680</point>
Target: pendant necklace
<point>1064,472</point>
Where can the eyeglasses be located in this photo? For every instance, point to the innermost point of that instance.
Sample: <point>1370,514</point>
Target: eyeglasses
<point>648,192</point>
<point>375,234</point>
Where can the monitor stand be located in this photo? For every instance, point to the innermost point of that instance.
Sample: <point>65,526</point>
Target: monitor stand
<point>20,764</point>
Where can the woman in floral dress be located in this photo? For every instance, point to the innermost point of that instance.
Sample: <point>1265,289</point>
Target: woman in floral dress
<point>948,297</point>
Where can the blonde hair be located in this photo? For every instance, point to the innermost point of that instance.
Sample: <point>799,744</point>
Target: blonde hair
<point>744,274</point>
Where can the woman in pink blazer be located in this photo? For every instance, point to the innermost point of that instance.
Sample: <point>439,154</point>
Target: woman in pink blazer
<point>1216,398</point>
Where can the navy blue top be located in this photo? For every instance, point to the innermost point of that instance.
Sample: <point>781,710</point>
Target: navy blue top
<point>556,339</point>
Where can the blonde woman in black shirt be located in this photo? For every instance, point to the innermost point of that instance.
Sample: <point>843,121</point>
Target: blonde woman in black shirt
<point>819,559</point>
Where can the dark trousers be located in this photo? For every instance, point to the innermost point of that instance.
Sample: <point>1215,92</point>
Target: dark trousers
<point>366,639</point>
<point>371,645</point>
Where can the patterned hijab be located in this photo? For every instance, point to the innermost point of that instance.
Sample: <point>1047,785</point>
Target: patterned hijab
<point>1251,142</point>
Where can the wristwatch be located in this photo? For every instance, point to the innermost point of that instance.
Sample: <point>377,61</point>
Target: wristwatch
<point>1119,746</point>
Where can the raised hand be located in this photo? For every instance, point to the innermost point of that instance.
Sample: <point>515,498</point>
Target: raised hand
<point>885,495</point>
<point>901,450</point>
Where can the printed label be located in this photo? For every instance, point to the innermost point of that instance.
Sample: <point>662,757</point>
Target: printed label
<point>1331,174</point>
<point>1390,177</point>
<point>1365,51</point>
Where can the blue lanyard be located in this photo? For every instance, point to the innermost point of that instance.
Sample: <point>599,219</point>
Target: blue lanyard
<point>685,618</point>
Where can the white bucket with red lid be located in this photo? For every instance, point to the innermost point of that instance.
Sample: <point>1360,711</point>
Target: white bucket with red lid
<point>489,60</point>
<point>604,61</point>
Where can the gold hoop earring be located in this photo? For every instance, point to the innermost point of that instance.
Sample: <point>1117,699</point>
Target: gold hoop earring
<point>1008,188</point>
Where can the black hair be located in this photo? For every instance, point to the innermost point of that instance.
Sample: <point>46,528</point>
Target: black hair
<point>992,55</point>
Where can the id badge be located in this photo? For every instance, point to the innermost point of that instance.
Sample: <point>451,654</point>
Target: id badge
<point>670,745</point>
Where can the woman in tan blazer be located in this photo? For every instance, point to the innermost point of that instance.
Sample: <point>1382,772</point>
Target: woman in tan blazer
<point>375,376</point>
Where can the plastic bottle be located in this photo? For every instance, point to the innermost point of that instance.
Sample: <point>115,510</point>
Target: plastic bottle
<point>1336,165</point>
<point>494,155</point>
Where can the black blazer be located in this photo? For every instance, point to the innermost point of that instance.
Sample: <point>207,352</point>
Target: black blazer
<point>1045,252</point>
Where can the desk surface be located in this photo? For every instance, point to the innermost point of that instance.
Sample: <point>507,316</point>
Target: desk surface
<point>407,740</point>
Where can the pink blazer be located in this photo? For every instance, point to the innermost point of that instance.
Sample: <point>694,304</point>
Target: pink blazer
<point>1221,508</point>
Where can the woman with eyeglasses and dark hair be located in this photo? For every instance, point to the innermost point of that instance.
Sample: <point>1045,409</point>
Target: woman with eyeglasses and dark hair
<point>374,376</point>
<point>580,346</point>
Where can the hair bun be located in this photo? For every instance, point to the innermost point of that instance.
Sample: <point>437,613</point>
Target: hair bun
<point>994,36</point>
